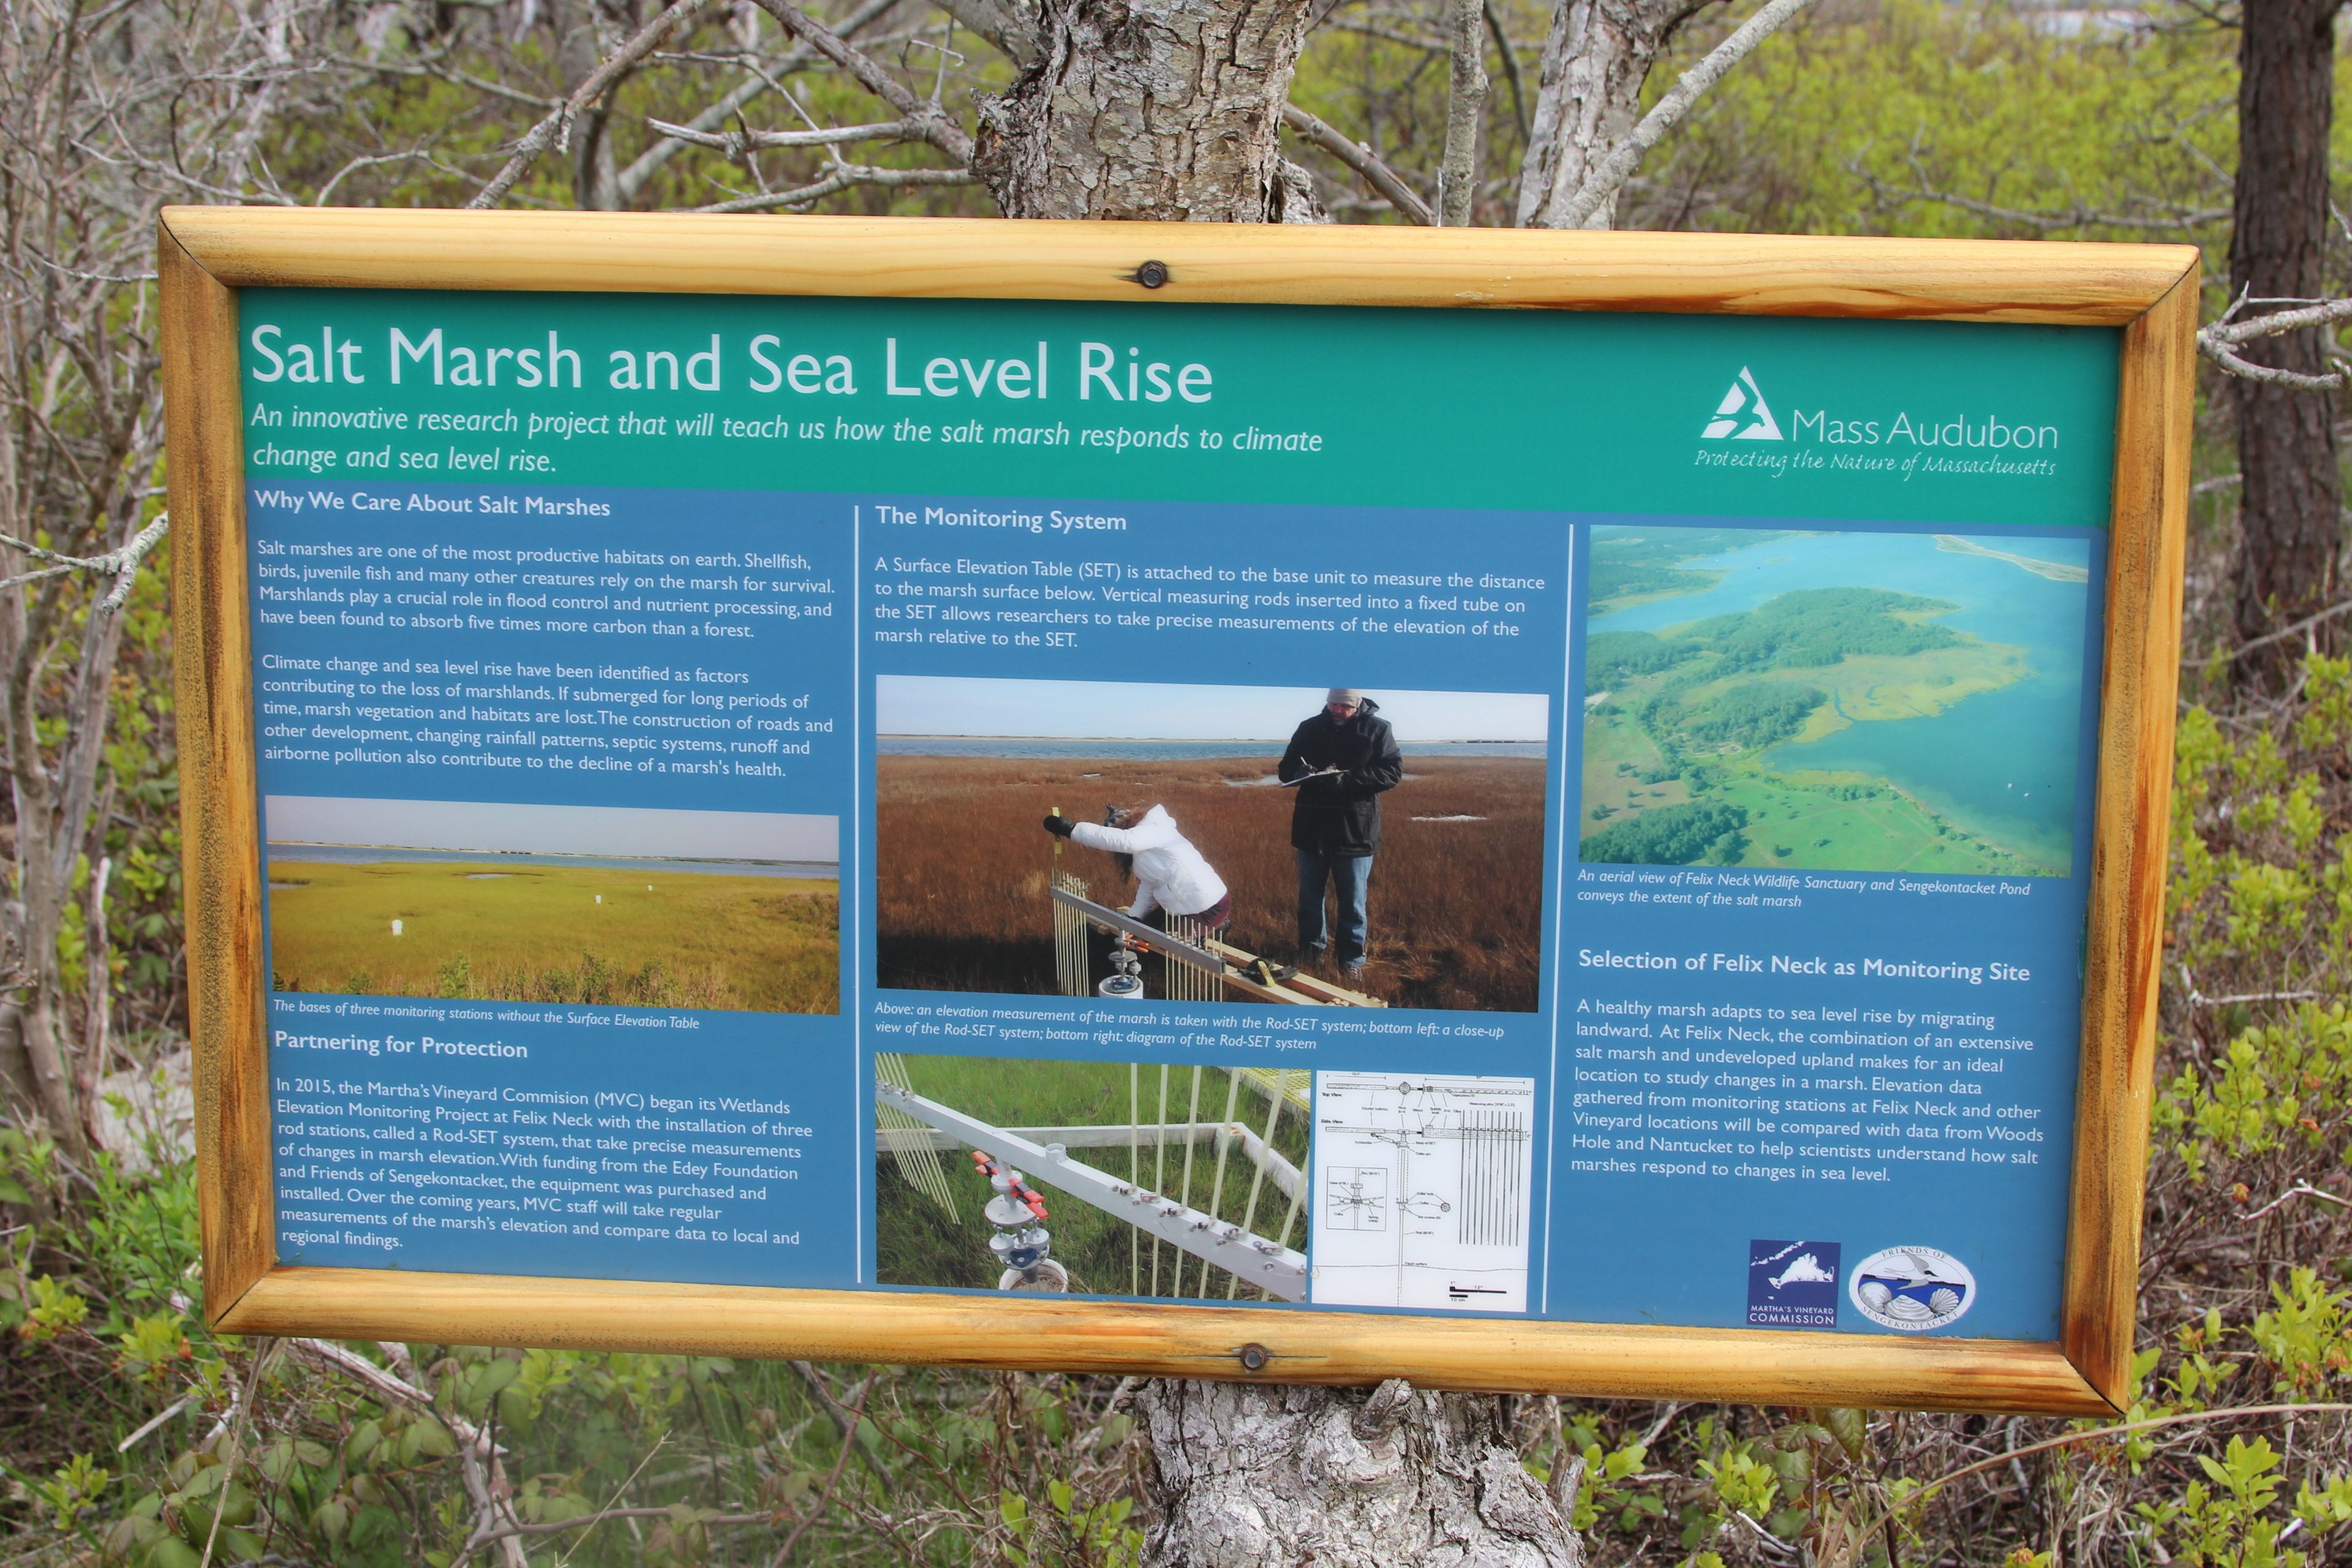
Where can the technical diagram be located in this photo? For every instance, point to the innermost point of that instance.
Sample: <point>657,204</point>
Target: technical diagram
<point>1425,1187</point>
<point>1355,1197</point>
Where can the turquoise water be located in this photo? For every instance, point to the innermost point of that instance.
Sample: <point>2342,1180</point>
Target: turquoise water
<point>2002,763</point>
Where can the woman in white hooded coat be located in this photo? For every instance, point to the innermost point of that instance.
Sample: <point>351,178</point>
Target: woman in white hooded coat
<point>1170,873</point>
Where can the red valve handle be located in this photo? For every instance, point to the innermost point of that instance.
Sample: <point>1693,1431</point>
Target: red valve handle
<point>1027,1195</point>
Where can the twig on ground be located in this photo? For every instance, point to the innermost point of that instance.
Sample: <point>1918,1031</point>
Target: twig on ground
<point>169,1411</point>
<point>2299,1189</point>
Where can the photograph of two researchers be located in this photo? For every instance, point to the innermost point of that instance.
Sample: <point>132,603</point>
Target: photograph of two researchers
<point>1323,846</point>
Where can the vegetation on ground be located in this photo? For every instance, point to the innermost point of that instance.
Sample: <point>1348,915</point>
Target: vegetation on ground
<point>472,929</point>
<point>2246,1307</point>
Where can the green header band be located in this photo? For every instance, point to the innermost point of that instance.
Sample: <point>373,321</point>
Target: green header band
<point>1915,422</point>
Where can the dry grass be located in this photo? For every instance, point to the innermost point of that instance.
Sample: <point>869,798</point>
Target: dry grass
<point>961,871</point>
<point>557,934</point>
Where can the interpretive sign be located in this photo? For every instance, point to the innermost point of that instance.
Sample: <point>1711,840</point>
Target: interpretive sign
<point>1180,800</point>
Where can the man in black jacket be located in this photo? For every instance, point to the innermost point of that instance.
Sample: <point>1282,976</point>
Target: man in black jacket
<point>1339,761</point>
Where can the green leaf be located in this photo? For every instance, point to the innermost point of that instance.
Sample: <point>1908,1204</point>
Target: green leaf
<point>171,1552</point>
<point>331,1517</point>
<point>1850,1427</point>
<point>434,1439</point>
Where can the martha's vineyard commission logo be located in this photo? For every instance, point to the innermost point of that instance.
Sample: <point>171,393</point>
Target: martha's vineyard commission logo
<point>1912,1289</point>
<point>1792,1284</point>
<point>1905,441</point>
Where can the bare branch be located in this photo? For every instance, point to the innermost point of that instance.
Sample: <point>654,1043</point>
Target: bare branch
<point>556,126</point>
<point>120,564</point>
<point>2231,333</point>
<point>649,163</point>
<point>1363,161</point>
<point>2228,360</point>
<point>2076,216</point>
<point>1503,47</point>
<point>844,177</point>
<point>2265,640</point>
<point>1391,35</point>
<point>758,77</point>
<point>2301,1190</point>
<point>736,143</point>
<point>1614,170</point>
<point>929,123</point>
<point>356,165</point>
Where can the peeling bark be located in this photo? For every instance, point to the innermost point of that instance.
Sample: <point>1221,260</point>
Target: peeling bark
<point>1245,1476</point>
<point>1589,99</point>
<point>1150,109</point>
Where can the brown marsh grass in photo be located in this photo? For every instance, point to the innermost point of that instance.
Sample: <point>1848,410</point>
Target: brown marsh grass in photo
<point>963,866</point>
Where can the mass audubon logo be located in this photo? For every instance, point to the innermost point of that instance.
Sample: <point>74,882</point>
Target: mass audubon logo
<point>1912,1289</point>
<point>1934,438</point>
<point>1743,414</point>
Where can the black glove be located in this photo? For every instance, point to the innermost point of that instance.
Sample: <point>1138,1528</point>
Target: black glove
<point>1059,827</point>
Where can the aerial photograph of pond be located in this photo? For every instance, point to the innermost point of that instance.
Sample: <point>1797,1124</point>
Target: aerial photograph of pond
<point>1833,701</point>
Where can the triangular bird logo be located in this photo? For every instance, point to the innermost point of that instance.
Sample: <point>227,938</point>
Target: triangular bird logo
<point>1743,414</point>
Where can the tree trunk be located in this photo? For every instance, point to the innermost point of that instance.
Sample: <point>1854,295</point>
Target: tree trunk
<point>1151,108</point>
<point>2288,559</point>
<point>1245,1476</point>
<point>41,897</point>
<point>20,1092</point>
<point>596,176</point>
<point>1595,59</point>
<point>1466,103</point>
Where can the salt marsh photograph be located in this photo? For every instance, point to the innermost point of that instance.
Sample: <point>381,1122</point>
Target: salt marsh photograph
<point>1425,809</point>
<point>734,912</point>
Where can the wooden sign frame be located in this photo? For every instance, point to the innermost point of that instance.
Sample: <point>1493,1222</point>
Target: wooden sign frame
<point>206,254</point>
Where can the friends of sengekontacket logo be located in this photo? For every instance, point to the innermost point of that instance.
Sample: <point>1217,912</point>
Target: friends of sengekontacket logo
<point>1912,1289</point>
